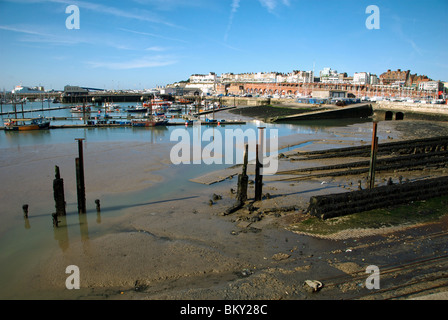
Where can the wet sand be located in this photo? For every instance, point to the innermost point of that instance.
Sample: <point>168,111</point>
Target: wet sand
<point>184,248</point>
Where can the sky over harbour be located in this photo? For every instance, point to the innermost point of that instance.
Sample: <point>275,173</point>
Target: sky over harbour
<point>139,44</point>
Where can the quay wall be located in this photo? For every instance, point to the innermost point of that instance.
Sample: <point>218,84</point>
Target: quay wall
<point>411,107</point>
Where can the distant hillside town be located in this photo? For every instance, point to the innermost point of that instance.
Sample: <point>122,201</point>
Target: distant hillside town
<point>328,83</point>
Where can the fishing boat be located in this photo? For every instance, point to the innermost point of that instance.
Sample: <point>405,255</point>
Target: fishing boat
<point>138,108</point>
<point>152,122</point>
<point>27,124</point>
<point>175,108</point>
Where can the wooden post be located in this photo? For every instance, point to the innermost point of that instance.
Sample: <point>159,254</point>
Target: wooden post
<point>243,179</point>
<point>80,179</point>
<point>98,207</point>
<point>258,177</point>
<point>54,215</point>
<point>258,166</point>
<point>58,193</point>
<point>373,156</point>
<point>25,211</point>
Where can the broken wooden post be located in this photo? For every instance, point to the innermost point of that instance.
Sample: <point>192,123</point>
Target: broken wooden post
<point>259,165</point>
<point>98,207</point>
<point>25,211</point>
<point>58,193</point>
<point>80,186</point>
<point>243,179</point>
<point>258,177</point>
<point>98,211</point>
<point>54,215</point>
<point>373,156</point>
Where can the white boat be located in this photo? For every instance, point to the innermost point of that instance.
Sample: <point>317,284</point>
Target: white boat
<point>80,109</point>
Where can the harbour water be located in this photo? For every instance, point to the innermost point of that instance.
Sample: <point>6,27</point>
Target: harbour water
<point>126,168</point>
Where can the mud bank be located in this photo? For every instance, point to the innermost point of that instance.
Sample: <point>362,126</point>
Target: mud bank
<point>183,248</point>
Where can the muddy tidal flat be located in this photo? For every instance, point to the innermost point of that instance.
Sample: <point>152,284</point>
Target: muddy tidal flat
<point>161,234</point>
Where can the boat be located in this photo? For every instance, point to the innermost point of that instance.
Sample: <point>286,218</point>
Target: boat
<point>211,121</point>
<point>27,124</point>
<point>111,107</point>
<point>80,109</point>
<point>149,122</point>
<point>138,108</point>
<point>175,109</point>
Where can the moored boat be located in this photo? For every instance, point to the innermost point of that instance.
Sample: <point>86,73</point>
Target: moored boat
<point>149,122</point>
<point>27,124</point>
<point>80,109</point>
<point>138,108</point>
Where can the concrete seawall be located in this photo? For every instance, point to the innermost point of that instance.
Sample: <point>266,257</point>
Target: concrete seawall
<point>411,107</point>
<point>353,111</point>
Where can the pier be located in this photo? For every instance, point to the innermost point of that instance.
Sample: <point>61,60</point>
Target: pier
<point>22,111</point>
<point>122,124</point>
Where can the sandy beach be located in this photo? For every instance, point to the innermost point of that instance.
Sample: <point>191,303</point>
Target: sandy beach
<point>182,247</point>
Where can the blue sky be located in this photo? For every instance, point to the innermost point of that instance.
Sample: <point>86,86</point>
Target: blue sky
<point>138,44</point>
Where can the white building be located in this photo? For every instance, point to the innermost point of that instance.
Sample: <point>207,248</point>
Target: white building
<point>326,72</point>
<point>20,89</point>
<point>204,78</point>
<point>300,77</point>
<point>430,86</point>
<point>374,80</point>
<point>361,78</point>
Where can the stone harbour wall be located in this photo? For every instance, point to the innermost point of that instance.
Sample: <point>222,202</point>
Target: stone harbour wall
<point>334,205</point>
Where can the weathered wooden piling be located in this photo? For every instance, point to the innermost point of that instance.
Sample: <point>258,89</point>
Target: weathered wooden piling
<point>25,211</point>
<point>373,156</point>
<point>58,193</point>
<point>258,177</point>
<point>243,179</point>
<point>80,185</point>
<point>54,215</point>
<point>98,206</point>
<point>258,166</point>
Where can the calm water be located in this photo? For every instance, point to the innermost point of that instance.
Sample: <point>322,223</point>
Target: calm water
<point>24,243</point>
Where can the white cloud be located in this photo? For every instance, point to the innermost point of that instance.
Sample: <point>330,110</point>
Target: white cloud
<point>272,4</point>
<point>26,30</point>
<point>142,15</point>
<point>155,48</point>
<point>234,8</point>
<point>152,35</point>
<point>144,62</point>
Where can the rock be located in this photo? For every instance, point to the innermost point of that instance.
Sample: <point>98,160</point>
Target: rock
<point>216,197</point>
<point>314,285</point>
<point>280,256</point>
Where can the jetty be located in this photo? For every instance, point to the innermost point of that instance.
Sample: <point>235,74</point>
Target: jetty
<point>22,111</point>
<point>213,110</point>
<point>121,124</point>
